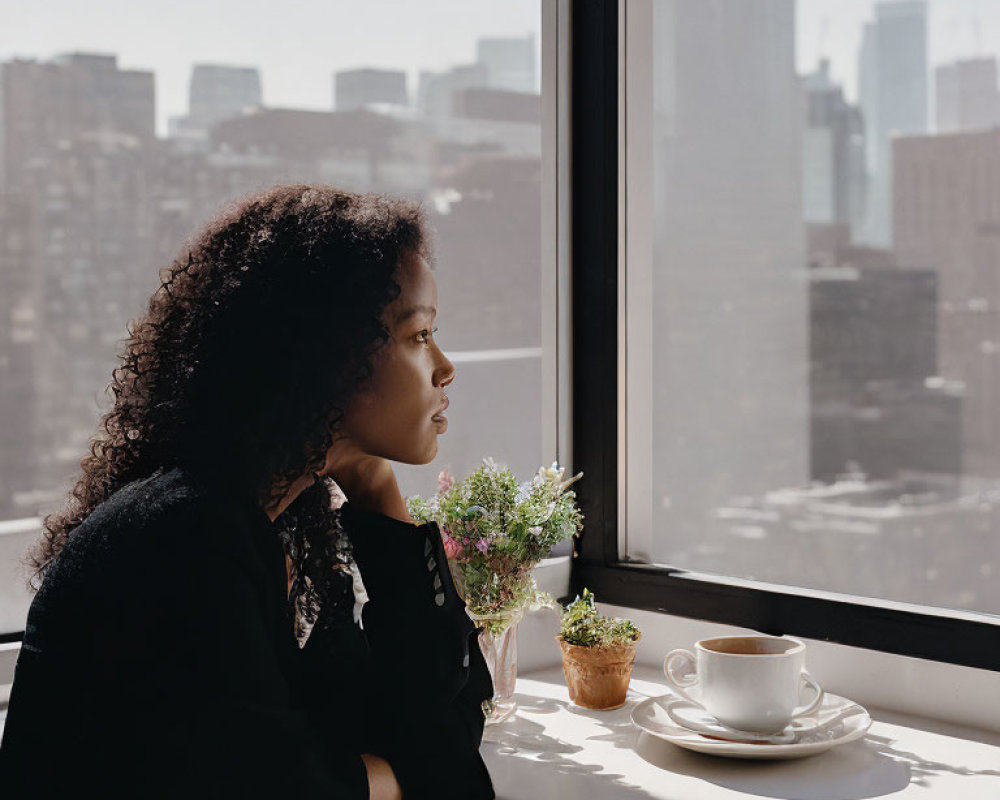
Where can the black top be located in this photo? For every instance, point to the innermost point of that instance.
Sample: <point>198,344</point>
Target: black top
<point>159,660</point>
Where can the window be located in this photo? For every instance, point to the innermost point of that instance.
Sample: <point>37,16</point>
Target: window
<point>123,132</point>
<point>782,331</point>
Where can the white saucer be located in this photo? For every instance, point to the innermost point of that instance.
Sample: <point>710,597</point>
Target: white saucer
<point>837,721</point>
<point>805,727</point>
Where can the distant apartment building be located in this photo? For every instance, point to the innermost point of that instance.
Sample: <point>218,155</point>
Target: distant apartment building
<point>966,97</point>
<point>20,329</point>
<point>505,65</point>
<point>482,120</point>
<point>876,399</point>
<point>78,136</point>
<point>435,90</point>
<point>357,88</point>
<point>360,150</point>
<point>499,105</point>
<point>217,92</point>
<point>50,106</point>
<point>947,219</point>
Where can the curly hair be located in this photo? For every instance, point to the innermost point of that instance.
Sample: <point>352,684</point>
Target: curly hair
<point>259,334</point>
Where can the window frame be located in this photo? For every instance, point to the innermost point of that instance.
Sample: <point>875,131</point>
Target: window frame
<point>598,387</point>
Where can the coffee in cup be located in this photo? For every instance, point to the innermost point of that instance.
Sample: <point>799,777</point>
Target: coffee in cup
<point>750,683</point>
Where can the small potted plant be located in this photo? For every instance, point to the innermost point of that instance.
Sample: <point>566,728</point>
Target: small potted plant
<point>597,653</point>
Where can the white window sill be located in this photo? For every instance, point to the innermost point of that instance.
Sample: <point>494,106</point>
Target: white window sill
<point>552,748</point>
<point>928,689</point>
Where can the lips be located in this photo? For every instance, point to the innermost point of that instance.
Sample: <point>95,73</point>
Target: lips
<point>440,412</point>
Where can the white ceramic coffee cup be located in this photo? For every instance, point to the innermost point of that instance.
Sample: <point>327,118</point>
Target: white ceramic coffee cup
<point>751,683</point>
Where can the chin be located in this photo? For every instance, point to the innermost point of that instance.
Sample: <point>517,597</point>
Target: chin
<point>431,455</point>
<point>419,458</point>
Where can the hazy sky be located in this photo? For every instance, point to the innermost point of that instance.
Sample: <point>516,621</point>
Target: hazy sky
<point>956,29</point>
<point>298,44</point>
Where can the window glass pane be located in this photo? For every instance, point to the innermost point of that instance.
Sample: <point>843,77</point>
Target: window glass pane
<point>124,128</point>
<point>824,336</point>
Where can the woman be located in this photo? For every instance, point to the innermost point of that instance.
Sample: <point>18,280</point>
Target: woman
<point>199,626</point>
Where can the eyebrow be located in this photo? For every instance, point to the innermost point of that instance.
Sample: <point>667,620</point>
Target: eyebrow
<point>404,315</point>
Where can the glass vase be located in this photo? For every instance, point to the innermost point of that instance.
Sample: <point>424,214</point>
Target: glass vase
<point>498,641</point>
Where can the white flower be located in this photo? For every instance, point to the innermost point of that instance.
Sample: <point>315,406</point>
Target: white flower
<point>491,465</point>
<point>554,475</point>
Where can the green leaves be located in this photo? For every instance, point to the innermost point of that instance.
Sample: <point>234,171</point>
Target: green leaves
<point>496,529</point>
<point>420,510</point>
<point>490,510</point>
<point>582,625</point>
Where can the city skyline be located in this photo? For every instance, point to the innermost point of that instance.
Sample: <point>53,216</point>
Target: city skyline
<point>296,68</point>
<point>300,75</point>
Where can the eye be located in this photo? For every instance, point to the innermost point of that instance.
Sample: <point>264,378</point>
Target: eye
<point>425,333</point>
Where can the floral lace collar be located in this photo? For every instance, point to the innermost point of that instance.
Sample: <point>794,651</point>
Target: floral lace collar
<point>326,584</point>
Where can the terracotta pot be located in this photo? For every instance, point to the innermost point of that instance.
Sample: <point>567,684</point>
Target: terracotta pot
<point>598,677</point>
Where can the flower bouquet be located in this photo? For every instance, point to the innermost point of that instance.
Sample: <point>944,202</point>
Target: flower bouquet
<point>495,532</point>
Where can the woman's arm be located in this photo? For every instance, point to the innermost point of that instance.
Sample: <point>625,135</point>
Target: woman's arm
<point>426,658</point>
<point>435,708</point>
<point>382,783</point>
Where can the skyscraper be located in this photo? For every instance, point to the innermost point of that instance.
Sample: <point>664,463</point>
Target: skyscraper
<point>893,93</point>
<point>833,150</point>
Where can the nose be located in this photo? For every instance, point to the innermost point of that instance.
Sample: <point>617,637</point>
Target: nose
<point>444,373</point>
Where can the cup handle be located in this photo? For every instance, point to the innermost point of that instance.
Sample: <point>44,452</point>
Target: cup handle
<point>680,684</point>
<point>811,706</point>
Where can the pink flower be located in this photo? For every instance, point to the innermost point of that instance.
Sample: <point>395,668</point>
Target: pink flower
<point>482,545</point>
<point>445,481</point>
<point>452,549</point>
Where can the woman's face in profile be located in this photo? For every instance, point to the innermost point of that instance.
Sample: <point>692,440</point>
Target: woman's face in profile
<point>393,419</point>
